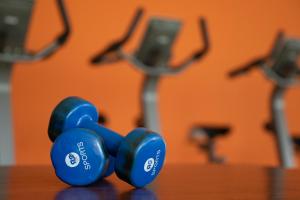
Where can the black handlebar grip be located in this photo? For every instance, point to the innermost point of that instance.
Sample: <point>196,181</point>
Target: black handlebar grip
<point>205,37</point>
<point>102,55</point>
<point>62,38</point>
<point>245,69</point>
<point>278,42</point>
<point>116,45</point>
<point>137,17</point>
<point>237,72</point>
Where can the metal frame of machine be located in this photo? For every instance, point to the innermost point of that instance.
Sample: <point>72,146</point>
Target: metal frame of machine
<point>152,58</point>
<point>15,17</point>
<point>281,66</point>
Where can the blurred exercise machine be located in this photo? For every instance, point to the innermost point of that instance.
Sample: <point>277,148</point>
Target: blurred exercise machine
<point>282,67</point>
<point>206,137</point>
<point>15,17</point>
<point>152,58</point>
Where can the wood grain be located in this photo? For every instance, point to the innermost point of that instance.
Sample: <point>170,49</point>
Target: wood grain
<point>175,182</point>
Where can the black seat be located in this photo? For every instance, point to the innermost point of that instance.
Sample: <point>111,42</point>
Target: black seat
<point>296,141</point>
<point>211,131</point>
<point>205,137</point>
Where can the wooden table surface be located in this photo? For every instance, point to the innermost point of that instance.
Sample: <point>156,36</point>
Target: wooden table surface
<point>175,182</point>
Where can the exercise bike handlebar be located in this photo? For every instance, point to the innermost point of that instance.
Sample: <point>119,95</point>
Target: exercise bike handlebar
<point>246,68</point>
<point>66,22</point>
<point>259,62</point>
<point>206,43</point>
<point>49,49</point>
<point>115,46</point>
<point>114,51</point>
<point>199,53</point>
<point>171,69</point>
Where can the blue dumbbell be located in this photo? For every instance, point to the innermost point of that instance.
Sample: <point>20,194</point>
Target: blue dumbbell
<point>139,156</point>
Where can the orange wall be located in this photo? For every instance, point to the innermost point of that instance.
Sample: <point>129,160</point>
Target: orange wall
<point>239,31</point>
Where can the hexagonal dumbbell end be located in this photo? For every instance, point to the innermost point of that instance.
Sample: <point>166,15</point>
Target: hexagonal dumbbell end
<point>65,118</point>
<point>79,157</point>
<point>67,115</point>
<point>140,157</point>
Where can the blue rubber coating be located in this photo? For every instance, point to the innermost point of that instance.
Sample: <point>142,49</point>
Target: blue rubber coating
<point>74,112</point>
<point>68,113</point>
<point>79,157</point>
<point>111,166</point>
<point>112,140</point>
<point>139,147</point>
<point>139,156</point>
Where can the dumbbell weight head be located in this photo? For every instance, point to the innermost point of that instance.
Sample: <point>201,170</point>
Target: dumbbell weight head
<point>67,115</point>
<point>139,156</point>
<point>79,157</point>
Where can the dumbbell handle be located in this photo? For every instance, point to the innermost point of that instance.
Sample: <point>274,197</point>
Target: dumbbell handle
<point>112,140</point>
